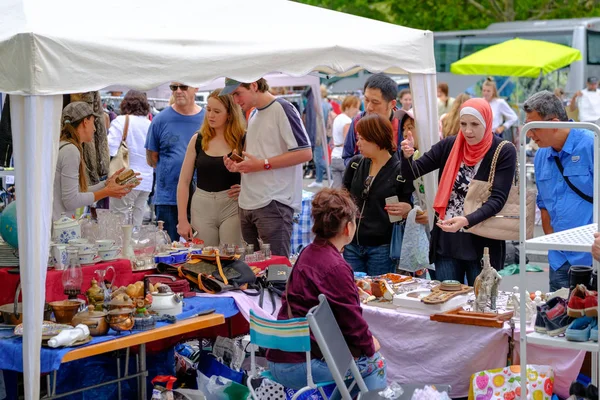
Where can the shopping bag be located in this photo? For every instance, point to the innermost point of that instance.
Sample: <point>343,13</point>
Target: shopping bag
<point>415,244</point>
<point>396,244</point>
<point>505,383</point>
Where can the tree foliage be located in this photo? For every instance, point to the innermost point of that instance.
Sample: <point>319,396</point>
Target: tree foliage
<point>445,15</point>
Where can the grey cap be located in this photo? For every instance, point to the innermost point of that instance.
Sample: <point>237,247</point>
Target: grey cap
<point>592,79</point>
<point>230,86</point>
<point>77,111</point>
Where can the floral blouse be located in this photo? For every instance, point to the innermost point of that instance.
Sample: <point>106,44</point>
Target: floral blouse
<point>456,203</point>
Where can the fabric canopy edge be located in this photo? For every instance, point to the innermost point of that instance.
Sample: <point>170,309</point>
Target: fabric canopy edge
<point>145,86</point>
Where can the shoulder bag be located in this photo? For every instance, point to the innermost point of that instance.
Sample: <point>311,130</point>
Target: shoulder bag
<point>505,224</point>
<point>121,160</point>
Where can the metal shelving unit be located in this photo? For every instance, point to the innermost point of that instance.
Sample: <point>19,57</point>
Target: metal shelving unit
<point>578,239</point>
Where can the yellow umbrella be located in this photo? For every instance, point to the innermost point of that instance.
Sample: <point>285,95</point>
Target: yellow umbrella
<point>517,57</point>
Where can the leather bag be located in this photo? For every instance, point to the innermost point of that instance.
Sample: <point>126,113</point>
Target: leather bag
<point>505,224</point>
<point>121,160</point>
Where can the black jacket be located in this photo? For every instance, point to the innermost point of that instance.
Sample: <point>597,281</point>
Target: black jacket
<point>373,226</point>
<point>463,245</point>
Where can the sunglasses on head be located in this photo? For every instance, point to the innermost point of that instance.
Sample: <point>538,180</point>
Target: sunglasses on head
<point>175,87</point>
<point>368,182</point>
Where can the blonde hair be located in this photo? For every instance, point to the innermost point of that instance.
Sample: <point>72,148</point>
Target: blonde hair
<point>451,123</point>
<point>350,101</point>
<point>491,83</point>
<point>234,127</point>
<point>69,134</point>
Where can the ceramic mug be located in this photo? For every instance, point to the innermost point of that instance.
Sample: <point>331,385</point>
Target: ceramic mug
<point>163,258</point>
<point>87,257</point>
<point>110,253</point>
<point>59,256</point>
<point>179,257</point>
<point>105,244</point>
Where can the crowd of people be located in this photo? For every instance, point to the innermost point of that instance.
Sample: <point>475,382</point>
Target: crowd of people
<point>246,149</point>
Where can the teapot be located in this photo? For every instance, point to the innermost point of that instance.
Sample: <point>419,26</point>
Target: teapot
<point>65,229</point>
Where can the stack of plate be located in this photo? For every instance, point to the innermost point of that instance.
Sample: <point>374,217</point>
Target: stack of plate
<point>9,256</point>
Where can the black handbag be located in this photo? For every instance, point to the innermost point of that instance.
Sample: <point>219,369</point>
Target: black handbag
<point>274,282</point>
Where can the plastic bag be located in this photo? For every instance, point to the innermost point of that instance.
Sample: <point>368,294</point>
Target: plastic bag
<point>219,388</point>
<point>415,245</point>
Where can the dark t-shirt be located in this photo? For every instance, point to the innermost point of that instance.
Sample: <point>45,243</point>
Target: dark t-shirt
<point>211,173</point>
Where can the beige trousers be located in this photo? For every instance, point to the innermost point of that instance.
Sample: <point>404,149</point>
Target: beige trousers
<point>215,217</point>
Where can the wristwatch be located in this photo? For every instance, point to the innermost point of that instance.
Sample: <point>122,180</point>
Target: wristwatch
<point>267,165</point>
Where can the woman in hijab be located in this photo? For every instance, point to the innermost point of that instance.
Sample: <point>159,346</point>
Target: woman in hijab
<point>460,159</point>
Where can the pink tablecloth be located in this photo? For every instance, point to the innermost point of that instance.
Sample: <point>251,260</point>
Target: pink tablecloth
<point>418,350</point>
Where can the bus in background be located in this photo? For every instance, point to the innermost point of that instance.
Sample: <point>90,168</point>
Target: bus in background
<point>582,34</point>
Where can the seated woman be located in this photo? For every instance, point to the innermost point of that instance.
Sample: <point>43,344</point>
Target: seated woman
<point>71,189</point>
<point>373,177</point>
<point>461,159</point>
<point>320,268</point>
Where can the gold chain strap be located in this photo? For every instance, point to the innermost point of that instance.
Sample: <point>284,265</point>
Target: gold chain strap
<point>495,161</point>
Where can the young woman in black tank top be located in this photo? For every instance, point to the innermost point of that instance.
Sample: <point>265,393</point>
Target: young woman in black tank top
<point>214,203</point>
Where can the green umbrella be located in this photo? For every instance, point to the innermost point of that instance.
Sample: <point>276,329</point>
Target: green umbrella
<point>517,57</point>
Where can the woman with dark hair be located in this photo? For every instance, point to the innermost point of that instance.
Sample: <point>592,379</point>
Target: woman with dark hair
<point>373,177</point>
<point>321,269</point>
<point>71,190</point>
<point>214,208</point>
<point>134,110</point>
<point>444,100</point>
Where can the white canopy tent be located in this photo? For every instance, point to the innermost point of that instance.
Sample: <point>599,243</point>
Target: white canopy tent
<point>48,48</point>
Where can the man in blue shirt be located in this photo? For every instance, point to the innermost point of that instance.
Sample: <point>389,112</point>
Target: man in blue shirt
<point>564,197</point>
<point>166,144</point>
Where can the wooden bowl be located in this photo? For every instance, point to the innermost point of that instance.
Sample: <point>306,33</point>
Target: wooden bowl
<point>65,310</point>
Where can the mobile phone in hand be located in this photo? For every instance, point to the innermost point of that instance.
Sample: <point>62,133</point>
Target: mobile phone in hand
<point>235,157</point>
<point>393,200</point>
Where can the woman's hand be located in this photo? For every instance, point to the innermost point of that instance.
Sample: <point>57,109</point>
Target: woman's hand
<point>596,246</point>
<point>422,218</point>
<point>230,164</point>
<point>185,230</point>
<point>398,209</point>
<point>118,191</point>
<point>408,144</point>
<point>114,176</point>
<point>234,191</point>
<point>376,344</point>
<point>453,224</point>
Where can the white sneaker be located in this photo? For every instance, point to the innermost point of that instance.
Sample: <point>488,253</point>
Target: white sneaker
<point>316,184</point>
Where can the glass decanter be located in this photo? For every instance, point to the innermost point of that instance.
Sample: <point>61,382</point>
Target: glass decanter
<point>162,241</point>
<point>72,277</point>
<point>143,241</point>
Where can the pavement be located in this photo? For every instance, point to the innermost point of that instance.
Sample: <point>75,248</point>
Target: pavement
<point>535,280</point>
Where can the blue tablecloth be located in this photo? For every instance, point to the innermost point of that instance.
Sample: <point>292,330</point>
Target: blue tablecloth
<point>11,350</point>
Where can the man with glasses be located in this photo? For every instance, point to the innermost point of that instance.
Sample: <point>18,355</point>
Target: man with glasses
<point>276,146</point>
<point>564,170</point>
<point>587,101</point>
<point>166,144</point>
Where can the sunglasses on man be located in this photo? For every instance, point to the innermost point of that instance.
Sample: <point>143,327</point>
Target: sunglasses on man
<point>175,87</point>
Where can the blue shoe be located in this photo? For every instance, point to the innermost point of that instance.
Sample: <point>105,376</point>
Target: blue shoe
<point>594,331</point>
<point>579,330</point>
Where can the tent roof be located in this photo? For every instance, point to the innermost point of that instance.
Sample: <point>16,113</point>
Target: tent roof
<point>517,57</point>
<point>65,46</point>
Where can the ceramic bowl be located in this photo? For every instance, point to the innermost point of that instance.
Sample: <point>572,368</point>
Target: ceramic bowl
<point>74,242</point>
<point>110,253</point>
<point>83,247</point>
<point>105,244</point>
<point>87,257</point>
<point>64,310</point>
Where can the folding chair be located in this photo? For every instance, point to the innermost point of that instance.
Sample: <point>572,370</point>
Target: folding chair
<point>338,357</point>
<point>291,335</point>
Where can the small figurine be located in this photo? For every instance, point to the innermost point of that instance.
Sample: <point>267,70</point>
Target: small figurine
<point>486,285</point>
<point>141,305</point>
<point>95,295</point>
